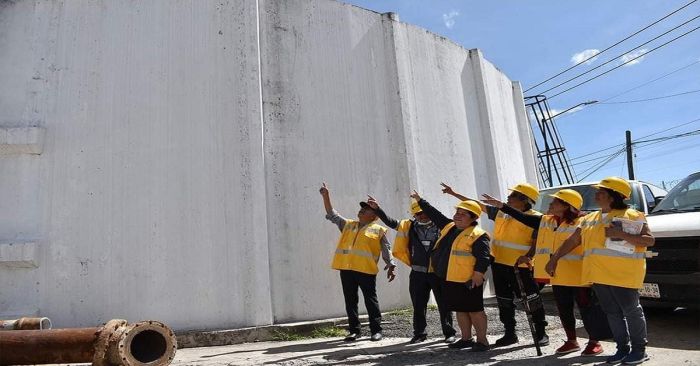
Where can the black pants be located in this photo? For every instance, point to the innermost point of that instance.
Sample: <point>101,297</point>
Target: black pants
<point>507,289</point>
<point>419,286</point>
<point>351,280</point>
<point>594,319</point>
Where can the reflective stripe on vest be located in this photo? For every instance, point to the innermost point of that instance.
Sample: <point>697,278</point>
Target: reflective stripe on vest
<point>359,248</point>
<point>550,236</point>
<point>361,253</point>
<point>605,266</point>
<point>400,248</point>
<point>419,268</point>
<point>460,266</point>
<point>613,253</point>
<point>505,244</point>
<point>512,239</point>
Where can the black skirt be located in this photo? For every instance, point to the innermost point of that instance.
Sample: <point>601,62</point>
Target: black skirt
<point>458,297</point>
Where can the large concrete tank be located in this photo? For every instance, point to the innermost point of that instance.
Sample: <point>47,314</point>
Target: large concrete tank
<point>161,159</point>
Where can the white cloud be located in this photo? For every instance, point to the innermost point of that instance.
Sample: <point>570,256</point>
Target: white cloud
<point>583,55</point>
<point>449,19</point>
<point>554,112</point>
<point>630,56</point>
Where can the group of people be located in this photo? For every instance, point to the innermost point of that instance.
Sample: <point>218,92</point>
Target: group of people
<point>588,258</point>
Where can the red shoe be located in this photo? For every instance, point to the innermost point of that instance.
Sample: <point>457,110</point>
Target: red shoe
<point>568,347</point>
<point>592,349</point>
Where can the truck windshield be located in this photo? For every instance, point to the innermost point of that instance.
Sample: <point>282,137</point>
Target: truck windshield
<point>588,194</point>
<point>685,196</point>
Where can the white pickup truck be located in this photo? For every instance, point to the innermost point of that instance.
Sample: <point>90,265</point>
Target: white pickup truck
<point>673,274</point>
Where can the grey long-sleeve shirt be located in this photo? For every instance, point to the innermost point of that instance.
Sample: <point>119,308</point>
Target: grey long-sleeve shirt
<point>340,221</point>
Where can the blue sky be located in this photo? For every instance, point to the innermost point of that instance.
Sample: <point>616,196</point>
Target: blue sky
<point>533,40</point>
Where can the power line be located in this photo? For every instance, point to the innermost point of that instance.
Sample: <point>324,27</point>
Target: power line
<point>620,55</point>
<point>617,43</point>
<point>625,63</point>
<point>650,99</point>
<point>651,81</point>
<point>604,163</point>
<point>645,136</point>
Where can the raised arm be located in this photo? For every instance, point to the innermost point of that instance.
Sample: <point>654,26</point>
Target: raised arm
<point>448,190</point>
<point>331,215</point>
<point>532,221</point>
<point>435,216</point>
<point>388,221</point>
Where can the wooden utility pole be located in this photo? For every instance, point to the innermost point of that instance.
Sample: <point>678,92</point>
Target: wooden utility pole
<point>628,145</point>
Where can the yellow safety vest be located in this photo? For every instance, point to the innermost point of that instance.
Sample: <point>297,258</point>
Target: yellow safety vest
<point>401,250</point>
<point>511,238</point>
<point>549,239</point>
<point>460,266</point>
<point>607,266</point>
<point>359,248</point>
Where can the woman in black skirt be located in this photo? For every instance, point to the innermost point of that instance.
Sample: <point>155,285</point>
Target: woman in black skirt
<point>460,258</point>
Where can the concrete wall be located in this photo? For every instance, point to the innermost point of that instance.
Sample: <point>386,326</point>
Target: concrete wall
<point>166,156</point>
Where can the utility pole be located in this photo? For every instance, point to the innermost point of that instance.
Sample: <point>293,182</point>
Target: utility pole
<point>628,145</point>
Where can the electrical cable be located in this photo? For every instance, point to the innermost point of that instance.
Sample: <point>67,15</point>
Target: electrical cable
<point>650,99</point>
<point>625,63</point>
<point>617,43</point>
<point>651,81</point>
<point>621,55</point>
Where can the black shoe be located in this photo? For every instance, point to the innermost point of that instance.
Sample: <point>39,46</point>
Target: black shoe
<point>419,338</point>
<point>376,337</point>
<point>352,337</point>
<point>544,340</point>
<point>479,347</point>
<point>461,344</point>
<point>506,340</point>
<point>450,339</point>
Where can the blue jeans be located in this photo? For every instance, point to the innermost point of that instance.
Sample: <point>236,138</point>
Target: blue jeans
<point>625,315</point>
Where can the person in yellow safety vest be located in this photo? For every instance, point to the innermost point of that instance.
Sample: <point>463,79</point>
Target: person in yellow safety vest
<point>512,239</point>
<point>568,287</point>
<point>356,256</point>
<point>415,240</point>
<point>614,242</point>
<point>460,259</point>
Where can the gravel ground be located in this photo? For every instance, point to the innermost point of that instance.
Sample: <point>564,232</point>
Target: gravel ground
<point>400,324</point>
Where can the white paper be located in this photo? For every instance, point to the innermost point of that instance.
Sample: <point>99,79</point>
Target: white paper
<point>628,226</point>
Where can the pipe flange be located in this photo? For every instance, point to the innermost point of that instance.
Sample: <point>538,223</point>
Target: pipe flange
<point>104,334</point>
<point>147,343</point>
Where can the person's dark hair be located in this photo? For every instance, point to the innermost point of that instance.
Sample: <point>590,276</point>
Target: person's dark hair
<point>524,198</point>
<point>474,217</point>
<point>618,202</point>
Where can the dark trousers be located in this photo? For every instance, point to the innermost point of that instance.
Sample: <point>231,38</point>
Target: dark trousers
<point>351,280</point>
<point>566,296</point>
<point>419,286</point>
<point>625,315</point>
<point>507,289</point>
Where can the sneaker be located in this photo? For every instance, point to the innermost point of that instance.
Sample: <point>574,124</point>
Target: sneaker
<point>592,349</point>
<point>568,347</point>
<point>635,357</point>
<point>507,340</point>
<point>376,337</point>
<point>450,339</point>
<point>419,338</point>
<point>352,337</point>
<point>479,347</point>
<point>618,356</point>
<point>544,340</point>
<point>461,344</point>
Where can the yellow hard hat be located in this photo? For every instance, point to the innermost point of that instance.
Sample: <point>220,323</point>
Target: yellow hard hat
<point>415,207</point>
<point>616,184</point>
<point>569,196</point>
<point>470,206</point>
<point>528,190</point>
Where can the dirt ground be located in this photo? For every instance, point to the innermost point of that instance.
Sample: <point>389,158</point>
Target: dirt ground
<point>674,339</point>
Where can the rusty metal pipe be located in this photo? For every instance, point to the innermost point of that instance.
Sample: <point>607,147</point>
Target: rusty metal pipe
<point>115,343</point>
<point>25,324</point>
